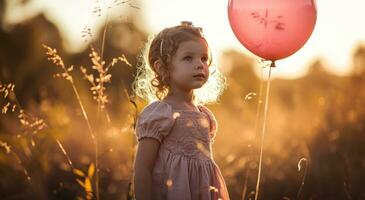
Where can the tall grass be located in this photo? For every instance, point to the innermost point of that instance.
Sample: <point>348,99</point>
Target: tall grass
<point>98,89</point>
<point>30,125</point>
<point>33,125</point>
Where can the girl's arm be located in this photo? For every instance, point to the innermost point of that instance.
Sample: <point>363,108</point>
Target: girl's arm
<point>143,168</point>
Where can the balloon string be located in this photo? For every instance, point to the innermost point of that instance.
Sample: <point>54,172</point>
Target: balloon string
<point>263,132</point>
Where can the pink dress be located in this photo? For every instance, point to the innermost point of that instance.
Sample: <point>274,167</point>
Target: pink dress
<point>184,168</point>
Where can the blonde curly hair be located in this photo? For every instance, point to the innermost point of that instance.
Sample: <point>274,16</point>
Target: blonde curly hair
<point>151,84</point>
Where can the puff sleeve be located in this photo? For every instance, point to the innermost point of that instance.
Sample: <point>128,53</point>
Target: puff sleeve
<point>213,123</point>
<point>155,121</point>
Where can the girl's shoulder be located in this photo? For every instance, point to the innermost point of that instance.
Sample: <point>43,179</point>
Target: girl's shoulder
<point>207,111</point>
<point>155,109</point>
<point>155,120</point>
<point>161,109</point>
<point>211,117</point>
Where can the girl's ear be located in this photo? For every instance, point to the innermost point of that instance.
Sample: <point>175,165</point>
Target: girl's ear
<point>163,73</point>
<point>158,66</point>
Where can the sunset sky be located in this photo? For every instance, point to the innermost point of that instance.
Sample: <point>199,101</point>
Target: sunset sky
<point>340,27</point>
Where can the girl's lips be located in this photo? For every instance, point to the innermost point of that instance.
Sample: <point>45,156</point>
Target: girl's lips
<point>199,76</point>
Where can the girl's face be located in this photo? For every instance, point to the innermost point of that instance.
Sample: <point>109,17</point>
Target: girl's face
<point>190,60</point>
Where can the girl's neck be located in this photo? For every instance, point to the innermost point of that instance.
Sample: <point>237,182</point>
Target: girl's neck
<point>181,100</point>
<point>178,95</point>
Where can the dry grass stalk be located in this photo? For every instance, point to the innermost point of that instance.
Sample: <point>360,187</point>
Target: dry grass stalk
<point>9,150</point>
<point>98,89</point>
<point>304,175</point>
<point>56,59</point>
<point>30,125</point>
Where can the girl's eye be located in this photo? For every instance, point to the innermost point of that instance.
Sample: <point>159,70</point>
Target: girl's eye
<point>205,59</point>
<point>188,58</point>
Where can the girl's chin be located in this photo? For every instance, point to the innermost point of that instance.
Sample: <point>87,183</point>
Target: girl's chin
<point>197,86</point>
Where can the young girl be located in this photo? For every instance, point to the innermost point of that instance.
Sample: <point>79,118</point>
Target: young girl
<point>174,157</point>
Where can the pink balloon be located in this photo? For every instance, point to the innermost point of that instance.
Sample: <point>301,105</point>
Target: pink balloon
<point>272,29</point>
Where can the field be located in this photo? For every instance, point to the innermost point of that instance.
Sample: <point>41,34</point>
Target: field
<point>67,122</point>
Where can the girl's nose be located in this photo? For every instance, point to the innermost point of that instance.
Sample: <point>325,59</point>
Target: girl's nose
<point>199,65</point>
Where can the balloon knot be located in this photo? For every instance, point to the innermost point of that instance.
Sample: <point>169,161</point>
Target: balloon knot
<point>272,64</point>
